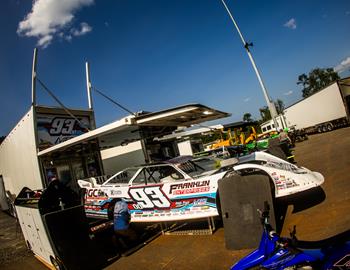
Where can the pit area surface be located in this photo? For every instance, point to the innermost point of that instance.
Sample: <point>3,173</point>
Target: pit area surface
<point>318,214</point>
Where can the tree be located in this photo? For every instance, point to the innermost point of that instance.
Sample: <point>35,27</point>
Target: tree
<point>316,80</point>
<point>247,117</point>
<point>279,104</point>
<point>265,112</point>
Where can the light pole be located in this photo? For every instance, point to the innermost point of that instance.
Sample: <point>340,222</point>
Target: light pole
<point>246,45</point>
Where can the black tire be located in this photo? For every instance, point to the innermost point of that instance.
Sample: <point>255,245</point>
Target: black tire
<point>329,127</point>
<point>57,263</point>
<point>218,204</point>
<point>110,211</point>
<point>29,246</point>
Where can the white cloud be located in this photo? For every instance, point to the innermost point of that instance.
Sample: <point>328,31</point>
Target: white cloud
<point>344,65</point>
<point>50,17</point>
<point>291,24</point>
<point>246,99</point>
<point>288,93</point>
<point>84,29</point>
<point>44,41</point>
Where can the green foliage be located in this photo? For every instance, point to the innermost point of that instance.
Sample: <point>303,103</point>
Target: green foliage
<point>265,112</point>
<point>316,80</point>
<point>279,104</point>
<point>247,117</point>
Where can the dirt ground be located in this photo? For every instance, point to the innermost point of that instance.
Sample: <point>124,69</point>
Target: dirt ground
<point>328,154</point>
<point>12,246</point>
<point>317,215</point>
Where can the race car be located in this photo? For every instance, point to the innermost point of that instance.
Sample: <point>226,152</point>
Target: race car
<point>187,188</point>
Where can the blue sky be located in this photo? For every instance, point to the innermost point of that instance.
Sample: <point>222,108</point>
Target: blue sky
<point>151,55</point>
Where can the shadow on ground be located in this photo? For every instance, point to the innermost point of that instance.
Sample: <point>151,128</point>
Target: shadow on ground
<point>300,202</point>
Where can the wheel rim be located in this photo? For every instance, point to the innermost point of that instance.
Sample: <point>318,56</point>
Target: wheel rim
<point>56,264</point>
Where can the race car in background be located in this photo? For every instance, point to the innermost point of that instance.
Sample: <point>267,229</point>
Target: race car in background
<point>187,188</point>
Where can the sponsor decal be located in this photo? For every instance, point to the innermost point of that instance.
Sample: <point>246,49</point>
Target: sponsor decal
<point>54,129</point>
<point>95,193</point>
<point>202,201</point>
<point>115,192</point>
<point>284,183</point>
<point>179,204</point>
<point>282,166</point>
<point>190,187</point>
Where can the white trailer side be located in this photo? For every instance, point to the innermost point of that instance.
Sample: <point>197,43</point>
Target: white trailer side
<point>19,163</point>
<point>317,111</point>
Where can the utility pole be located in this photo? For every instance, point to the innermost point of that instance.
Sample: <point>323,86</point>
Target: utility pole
<point>246,45</point>
<point>88,84</point>
<point>34,77</point>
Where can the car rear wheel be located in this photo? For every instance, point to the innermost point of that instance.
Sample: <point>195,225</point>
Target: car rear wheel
<point>218,204</point>
<point>110,211</point>
<point>329,127</point>
<point>57,264</point>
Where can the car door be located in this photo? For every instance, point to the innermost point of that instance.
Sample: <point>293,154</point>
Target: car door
<point>164,193</point>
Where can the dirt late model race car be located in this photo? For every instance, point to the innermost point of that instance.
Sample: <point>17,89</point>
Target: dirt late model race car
<point>186,188</point>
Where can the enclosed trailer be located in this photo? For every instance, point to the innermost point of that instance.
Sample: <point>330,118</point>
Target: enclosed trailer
<point>40,128</point>
<point>323,111</point>
<point>320,112</point>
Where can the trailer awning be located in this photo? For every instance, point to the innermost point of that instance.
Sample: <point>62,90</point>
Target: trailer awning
<point>185,115</point>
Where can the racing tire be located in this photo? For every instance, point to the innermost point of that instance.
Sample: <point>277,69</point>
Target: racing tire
<point>110,211</point>
<point>218,205</point>
<point>299,139</point>
<point>329,127</point>
<point>57,264</point>
<point>29,246</point>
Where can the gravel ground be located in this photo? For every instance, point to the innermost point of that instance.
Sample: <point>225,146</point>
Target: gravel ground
<point>12,244</point>
<point>317,216</point>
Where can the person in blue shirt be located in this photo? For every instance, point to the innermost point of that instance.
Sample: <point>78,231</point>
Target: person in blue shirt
<point>122,229</point>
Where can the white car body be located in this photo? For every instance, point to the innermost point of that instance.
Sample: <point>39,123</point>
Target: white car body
<point>189,195</point>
